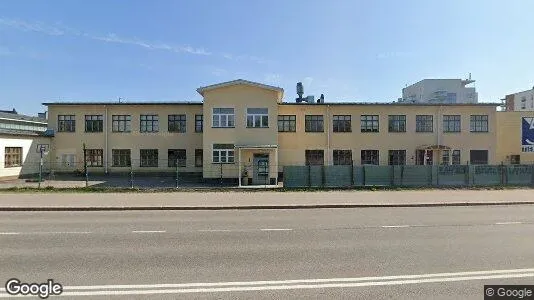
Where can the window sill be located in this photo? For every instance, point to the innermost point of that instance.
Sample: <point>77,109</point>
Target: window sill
<point>369,131</point>
<point>224,127</point>
<point>342,131</point>
<point>176,131</point>
<point>314,131</point>
<point>226,163</point>
<point>479,131</point>
<point>148,131</point>
<point>424,132</point>
<point>121,166</point>
<point>452,132</point>
<point>93,131</point>
<point>287,131</point>
<point>256,127</point>
<point>121,131</point>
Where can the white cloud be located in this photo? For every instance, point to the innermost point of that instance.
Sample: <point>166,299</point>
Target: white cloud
<point>35,27</point>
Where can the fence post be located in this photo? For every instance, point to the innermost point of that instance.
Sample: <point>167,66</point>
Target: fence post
<point>392,175</point>
<point>532,174</point>
<point>323,180</point>
<point>501,169</point>
<point>402,175</point>
<point>40,168</point>
<point>309,175</point>
<point>363,175</point>
<point>467,171</point>
<point>352,173</point>
<point>220,174</point>
<point>131,176</point>
<point>85,166</point>
<point>176,173</point>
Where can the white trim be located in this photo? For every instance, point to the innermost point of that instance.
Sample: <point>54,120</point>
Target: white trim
<point>202,90</point>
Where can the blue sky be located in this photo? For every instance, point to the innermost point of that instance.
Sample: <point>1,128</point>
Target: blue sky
<point>72,50</point>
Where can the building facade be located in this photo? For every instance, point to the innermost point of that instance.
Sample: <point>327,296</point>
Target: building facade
<point>522,101</point>
<point>244,129</point>
<point>443,91</point>
<point>21,140</point>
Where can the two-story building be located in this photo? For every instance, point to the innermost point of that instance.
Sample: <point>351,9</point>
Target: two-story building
<point>244,128</point>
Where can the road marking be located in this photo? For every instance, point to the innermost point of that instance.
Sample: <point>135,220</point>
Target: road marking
<point>149,231</point>
<point>9,233</point>
<point>395,226</point>
<point>211,287</point>
<point>507,223</point>
<point>276,229</point>
<point>215,230</point>
<point>60,232</point>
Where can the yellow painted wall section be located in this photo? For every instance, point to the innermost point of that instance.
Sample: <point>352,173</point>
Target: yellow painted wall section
<point>509,137</point>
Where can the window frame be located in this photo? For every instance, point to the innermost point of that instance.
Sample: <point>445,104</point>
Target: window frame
<point>424,123</point>
<point>145,161</point>
<point>452,123</point>
<point>228,117</point>
<point>199,127</point>
<point>253,118</point>
<point>314,154</point>
<point>13,157</point>
<point>120,156</point>
<point>287,121</point>
<point>92,121</point>
<point>476,162</point>
<point>395,156</point>
<point>179,155</point>
<point>177,123</point>
<point>396,123</point>
<point>342,123</point>
<point>220,151</point>
<point>373,153</point>
<point>314,123</point>
<point>149,123</point>
<point>367,123</point>
<point>342,157</point>
<point>124,120</point>
<point>66,123</point>
<point>94,157</point>
<point>477,123</point>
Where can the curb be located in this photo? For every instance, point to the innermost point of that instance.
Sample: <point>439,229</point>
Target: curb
<point>251,207</point>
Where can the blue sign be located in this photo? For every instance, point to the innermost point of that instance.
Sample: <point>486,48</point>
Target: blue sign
<point>527,134</point>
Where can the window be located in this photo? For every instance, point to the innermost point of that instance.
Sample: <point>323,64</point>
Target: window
<point>515,159</point>
<point>94,123</point>
<point>369,123</point>
<point>342,157</point>
<point>369,157</point>
<point>287,123</point>
<point>314,123</point>
<point>397,157</point>
<point>397,123</point>
<point>199,157</point>
<point>451,97</point>
<point>176,156</point>
<point>94,157</point>
<point>149,123</point>
<point>342,123</point>
<point>121,123</point>
<point>257,117</point>
<point>479,123</point>
<point>177,123</point>
<point>223,117</point>
<point>314,157</point>
<point>445,157</point>
<point>12,157</point>
<point>223,153</point>
<point>456,157</point>
<point>199,123</point>
<point>478,157</point>
<point>149,157</point>
<point>452,123</point>
<point>66,123</point>
<point>424,123</point>
<point>121,157</point>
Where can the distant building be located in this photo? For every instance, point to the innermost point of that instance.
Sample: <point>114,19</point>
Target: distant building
<point>522,101</point>
<point>451,91</point>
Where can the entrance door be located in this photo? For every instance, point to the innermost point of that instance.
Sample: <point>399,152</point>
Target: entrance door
<point>260,174</point>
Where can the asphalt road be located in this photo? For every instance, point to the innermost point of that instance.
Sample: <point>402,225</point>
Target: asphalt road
<point>283,254</point>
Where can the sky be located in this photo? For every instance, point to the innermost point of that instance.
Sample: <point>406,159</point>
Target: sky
<point>103,50</point>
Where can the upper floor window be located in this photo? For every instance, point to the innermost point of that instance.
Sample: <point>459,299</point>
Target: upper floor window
<point>369,123</point>
<point>121,123</point>
<point>94,123</point>
<point>199,120</point>
<point>397,123</point>
<point>12,157</point>
<point>149,123</point>
<point>287,123</point>
<point>223,117</point>
<point>342,123</point>
<point>479,123</point>
<point>314,123</point>
<point>177,123</point>
<point>452,123</point>
<point>223,153</point>
<point>424,123</point>
<point>66,123</point>
<point>257,117</point>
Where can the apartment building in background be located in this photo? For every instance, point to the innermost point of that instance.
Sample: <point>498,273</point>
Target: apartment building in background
<point>246,127</point>
<point>444,91</point>
<point>521,101</point>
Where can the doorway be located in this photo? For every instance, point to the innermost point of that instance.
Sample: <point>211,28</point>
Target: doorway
<point>260,173</point>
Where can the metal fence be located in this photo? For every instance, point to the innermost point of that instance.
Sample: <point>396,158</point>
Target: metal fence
<point>408,175</point>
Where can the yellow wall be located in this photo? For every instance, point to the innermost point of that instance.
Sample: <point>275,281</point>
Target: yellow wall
<point>509,137</point>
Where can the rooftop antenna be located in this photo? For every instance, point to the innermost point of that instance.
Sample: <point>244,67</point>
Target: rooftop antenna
<point>120,99</point>
<point>300,91</point>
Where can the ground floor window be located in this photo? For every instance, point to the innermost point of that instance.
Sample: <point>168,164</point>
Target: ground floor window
<point>149,157</point>
<point>199,157</point>
<point>121,157</point>
<point>223,153</point>
<point>94,157</point>
<point>369,157</point>
<point>478,157</point>
<point>314,157</point>
<point>342,157</point>
<point>176,157</point>
<point>12,157</point>
<point>397,157</point>
<point>515,159</point>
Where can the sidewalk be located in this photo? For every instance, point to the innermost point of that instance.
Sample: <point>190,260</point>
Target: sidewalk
<point>260,200</point>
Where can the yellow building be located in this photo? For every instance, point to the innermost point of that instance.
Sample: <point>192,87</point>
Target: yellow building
<point>245,129</point>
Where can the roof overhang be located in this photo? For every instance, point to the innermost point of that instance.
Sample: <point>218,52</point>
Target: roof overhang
<point>256,146</point>
<point>203,89</point>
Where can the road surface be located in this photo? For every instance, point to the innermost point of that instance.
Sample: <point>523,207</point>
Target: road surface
<point>379,253</point>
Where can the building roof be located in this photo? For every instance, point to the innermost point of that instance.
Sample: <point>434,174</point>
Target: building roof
<point>124,103</point>
<point>18,132</point>
<point>203,89</point>
<point>19,117</point>
<point>396,104</point>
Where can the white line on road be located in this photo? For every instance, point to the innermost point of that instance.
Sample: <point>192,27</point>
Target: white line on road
<point>276,229</point>
<point>507,223</point>
<point>9,233</point>
<point>395,226</point>
<point>214,230</point>
<point>149,231</point>
<point>288,284</point>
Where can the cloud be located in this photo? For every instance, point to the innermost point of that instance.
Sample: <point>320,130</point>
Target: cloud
<point>308,81</point>
<point>393,54</point>
<point>35,27</point>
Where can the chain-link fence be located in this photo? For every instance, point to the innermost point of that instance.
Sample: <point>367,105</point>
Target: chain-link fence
<point>408,175</point>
